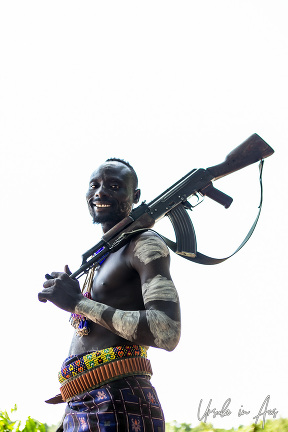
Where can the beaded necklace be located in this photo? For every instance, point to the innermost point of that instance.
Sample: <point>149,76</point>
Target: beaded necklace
<point>80,322</point>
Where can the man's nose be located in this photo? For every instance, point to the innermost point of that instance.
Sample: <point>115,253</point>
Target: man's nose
<point>101,191</point>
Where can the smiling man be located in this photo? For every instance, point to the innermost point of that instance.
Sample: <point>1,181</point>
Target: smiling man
<point>116,186</point>
<point>130,304</point>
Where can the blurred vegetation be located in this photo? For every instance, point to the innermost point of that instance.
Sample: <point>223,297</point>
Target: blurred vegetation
<point>278,425</point>
<point>32,425</point>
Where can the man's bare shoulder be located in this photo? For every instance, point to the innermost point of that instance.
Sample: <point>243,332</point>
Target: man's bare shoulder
<point>148,246</point>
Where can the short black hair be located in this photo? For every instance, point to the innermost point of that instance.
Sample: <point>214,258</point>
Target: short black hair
<point>135,178</point>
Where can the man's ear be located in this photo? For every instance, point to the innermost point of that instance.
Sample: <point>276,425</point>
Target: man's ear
<point>137,194</point>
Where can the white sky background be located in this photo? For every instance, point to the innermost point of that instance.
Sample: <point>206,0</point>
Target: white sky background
<point>169,86</point>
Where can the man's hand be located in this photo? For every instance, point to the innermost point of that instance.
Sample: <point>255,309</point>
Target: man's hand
<point>63,291</point>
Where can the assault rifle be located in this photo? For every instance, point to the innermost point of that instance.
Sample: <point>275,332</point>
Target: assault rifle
<point>173,203</point>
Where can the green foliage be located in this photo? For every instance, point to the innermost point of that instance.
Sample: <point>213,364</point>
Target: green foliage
<point>279,425</point>
<point>31,425</point>
<point>6,424</point>
<point>185,427</point>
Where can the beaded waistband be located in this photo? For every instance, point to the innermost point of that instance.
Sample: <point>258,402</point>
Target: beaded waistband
<point>71,368</point>
<point>104,374</point>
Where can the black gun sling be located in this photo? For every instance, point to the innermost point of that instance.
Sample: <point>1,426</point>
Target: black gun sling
<point>204,259</point>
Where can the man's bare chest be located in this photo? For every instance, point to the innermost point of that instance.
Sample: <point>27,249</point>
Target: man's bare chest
<point>116,284</point>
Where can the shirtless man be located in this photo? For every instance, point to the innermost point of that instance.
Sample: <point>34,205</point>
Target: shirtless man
<point>133,305</point>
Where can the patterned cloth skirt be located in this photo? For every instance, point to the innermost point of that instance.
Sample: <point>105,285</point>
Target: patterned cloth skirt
<point>127,404</point>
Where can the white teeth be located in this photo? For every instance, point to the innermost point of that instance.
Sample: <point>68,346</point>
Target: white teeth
<point>102,205</point>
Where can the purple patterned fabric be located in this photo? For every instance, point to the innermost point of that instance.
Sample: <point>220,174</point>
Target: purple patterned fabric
<point>128,404</point>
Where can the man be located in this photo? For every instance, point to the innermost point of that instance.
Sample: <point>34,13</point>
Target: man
<point>133,304</point>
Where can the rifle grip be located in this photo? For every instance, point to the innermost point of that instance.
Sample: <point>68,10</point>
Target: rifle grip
<point>215,194</point>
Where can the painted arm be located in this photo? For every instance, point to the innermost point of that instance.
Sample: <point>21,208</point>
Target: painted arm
<point>158,324</point>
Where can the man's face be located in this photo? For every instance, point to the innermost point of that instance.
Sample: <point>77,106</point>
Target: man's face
<point>111,193</point>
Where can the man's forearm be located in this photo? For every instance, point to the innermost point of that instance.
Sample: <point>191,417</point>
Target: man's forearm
<point>147,327</point>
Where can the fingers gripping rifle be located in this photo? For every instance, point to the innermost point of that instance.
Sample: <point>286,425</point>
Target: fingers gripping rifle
<point>173,203</point>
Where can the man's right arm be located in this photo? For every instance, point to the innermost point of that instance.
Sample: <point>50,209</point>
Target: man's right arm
<point>157,325</point>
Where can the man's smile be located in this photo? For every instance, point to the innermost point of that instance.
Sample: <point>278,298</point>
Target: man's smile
<point>100,205</point>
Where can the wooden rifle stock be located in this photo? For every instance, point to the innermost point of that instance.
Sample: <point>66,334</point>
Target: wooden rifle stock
<point>250,151</point>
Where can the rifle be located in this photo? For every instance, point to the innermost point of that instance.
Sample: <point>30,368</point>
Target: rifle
<point>173,202</point>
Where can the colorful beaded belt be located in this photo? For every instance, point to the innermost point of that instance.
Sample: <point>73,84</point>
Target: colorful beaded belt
<point>85,362</point>
<point>94,369</point>
<point>103,374</point>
